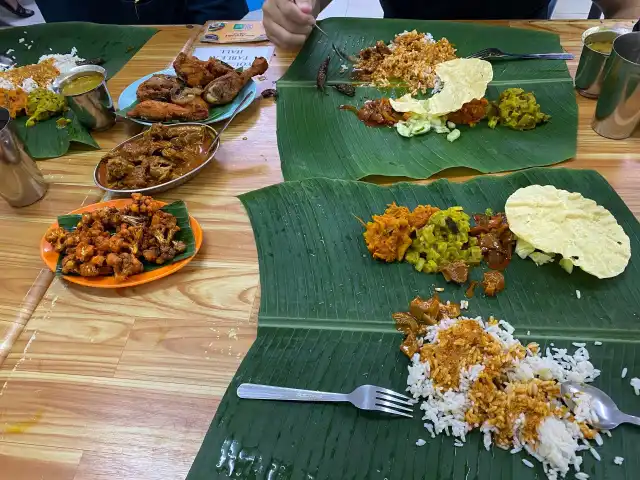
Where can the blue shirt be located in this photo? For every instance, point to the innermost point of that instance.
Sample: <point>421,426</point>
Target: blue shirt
<point>145,12</point>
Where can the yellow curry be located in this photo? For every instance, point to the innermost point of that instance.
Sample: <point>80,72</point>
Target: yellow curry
<point>82,84</point>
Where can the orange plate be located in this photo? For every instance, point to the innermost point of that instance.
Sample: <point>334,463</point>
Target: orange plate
<point>50,256</point>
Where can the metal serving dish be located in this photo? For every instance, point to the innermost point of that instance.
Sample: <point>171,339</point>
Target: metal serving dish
<point>171,183</point>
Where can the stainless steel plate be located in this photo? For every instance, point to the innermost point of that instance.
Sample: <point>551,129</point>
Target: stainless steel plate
<point>172,183</point>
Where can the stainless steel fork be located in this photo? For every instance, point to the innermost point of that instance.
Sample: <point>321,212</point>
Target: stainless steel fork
<point>490,53</point>
<point>365,397</point>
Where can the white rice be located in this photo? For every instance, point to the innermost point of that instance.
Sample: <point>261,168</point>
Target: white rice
<point>618,460</point>
<point>624,372</point>
<point>527,463</point>
<point>597,343</point>
<point>439,289</point>
<point>420,442</point>
<point>464,304</point>
<point>578,294</point>
<point>635,384</point>
<point>63,62</point>
<point>582,476</point>
<point>595,454</point>
<point>558,439</point>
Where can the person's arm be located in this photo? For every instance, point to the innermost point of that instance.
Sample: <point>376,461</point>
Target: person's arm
<point>619,8</point>
<point>289,23</point>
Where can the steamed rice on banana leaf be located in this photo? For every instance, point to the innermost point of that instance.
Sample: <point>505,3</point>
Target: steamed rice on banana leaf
<point>469,374</point>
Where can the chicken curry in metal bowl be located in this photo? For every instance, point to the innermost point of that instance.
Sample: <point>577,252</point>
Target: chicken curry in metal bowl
<point>158,159</point>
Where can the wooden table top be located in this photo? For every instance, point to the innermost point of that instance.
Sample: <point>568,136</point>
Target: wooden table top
<point>107,385</point>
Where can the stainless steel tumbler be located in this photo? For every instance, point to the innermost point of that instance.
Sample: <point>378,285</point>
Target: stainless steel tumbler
<point>618,109</point>
<point>94,108</point>
<point>589,75</point>
<point>21,182</point>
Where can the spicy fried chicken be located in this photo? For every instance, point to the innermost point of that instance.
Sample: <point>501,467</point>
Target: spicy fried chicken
<point>224,89</point>
<point>158,87</point>
<point>197,73</point>
<point>156,111</point>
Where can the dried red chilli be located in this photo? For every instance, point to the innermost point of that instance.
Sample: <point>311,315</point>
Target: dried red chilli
<point>321,79</point>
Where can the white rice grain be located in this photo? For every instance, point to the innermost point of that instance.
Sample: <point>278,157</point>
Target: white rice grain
<point>420,442</point>
<point>579,344</point>
<point>595,454</point>
<point>527,463</point>
<point>581,476</point>
<point>618,460</point>
<point>578,294</point>
<point>624,372</point>
<point>635,384</point>
<point>597,344</point>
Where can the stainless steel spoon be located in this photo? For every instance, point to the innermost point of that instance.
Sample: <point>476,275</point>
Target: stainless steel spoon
<point>6,62</point>
<point>609,415</point>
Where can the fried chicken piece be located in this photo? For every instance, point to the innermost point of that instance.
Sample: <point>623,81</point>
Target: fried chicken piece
<point>224,89</point>
<point>183,96</point>
<point>158,87</point>
<point>155,111</point>
<point>197,73</point>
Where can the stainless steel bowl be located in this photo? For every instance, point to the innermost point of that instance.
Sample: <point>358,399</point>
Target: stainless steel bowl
<point>171,183</point>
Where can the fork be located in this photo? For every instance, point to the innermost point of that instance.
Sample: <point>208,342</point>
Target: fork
<point>365,397</point>
<point>489,53</point>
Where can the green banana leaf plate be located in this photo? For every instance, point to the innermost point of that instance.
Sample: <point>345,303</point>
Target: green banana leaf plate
<point>316,139</point>
<point>325,324</point>
<point>115,44</point>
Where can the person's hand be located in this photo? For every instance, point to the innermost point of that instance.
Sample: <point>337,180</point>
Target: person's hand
<point>287,24</point>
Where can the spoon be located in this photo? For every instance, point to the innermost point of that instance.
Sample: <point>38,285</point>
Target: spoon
<point>233,115</point>
<point>6,62</point>
<point>609,416</point>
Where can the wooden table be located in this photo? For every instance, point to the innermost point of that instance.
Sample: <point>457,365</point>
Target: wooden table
<point>107,385</point>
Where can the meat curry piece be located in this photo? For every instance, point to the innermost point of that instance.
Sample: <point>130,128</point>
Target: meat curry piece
<point>492,283</point>
<point>162,154</point>
<point>495,239</point>
<point>457,272</point>
<point>422,313</point>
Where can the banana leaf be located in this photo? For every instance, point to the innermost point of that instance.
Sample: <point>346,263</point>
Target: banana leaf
<point>325,324</point>
<point>316,139</point>
<point>178,209</point>
<point>114,44</point>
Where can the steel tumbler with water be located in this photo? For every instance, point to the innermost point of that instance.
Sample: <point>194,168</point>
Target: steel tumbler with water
<point>21,182</point>
<point>618,109</point>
